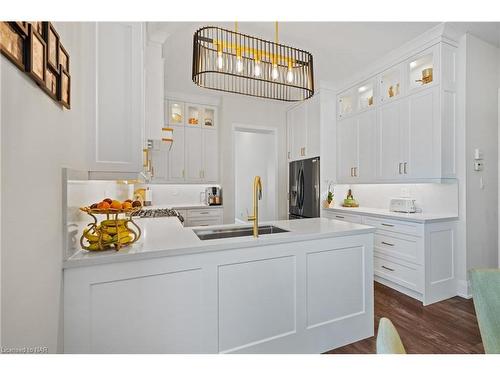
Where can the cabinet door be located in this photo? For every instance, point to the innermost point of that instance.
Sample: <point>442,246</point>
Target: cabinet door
<point>424,135</point>
<point>367,135</point>
<point>298,121</point>
<point>313,126</point>
<point>347,148</point>
<point>176,171</point>
<point>194,154</point>
<point>118,103</point>
<point>154,91</point>
<point>159,161</point>
<point>390,121</point>
<point>210,156</point>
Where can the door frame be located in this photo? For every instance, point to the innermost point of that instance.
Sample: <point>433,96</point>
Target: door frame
<point>246,128</point>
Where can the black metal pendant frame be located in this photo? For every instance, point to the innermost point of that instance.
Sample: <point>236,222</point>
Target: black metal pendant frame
<point>228,61</point>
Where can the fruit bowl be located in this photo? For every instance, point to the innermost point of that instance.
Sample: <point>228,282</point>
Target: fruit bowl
<point>114,232</point>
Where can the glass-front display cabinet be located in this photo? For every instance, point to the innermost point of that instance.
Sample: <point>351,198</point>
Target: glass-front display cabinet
<point>346,103</point>
<point>209,118</point>
<point>391,83</point>
<point>421,70</point>
<point>194,114</point>
<point>175,114</point>
<point>366,95</point>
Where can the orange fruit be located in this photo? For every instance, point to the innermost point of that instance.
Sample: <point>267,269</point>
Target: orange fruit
<point>109,200</point>
<point>117,205</point>
<point>126,205</point>
<point>103,206</point>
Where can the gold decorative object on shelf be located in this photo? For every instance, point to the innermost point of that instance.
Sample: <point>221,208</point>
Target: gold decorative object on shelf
<point>426,76</point>
<point>113,232</point>
<point>370,101</point>
<point>391,92</point>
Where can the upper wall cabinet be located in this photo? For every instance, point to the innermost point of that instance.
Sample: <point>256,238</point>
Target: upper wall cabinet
<point>117,103</point>
<point>423,69</point>
<point>391,83</point>
<point>303,130</point>
<point>412,131</point>
<point>193,156</point>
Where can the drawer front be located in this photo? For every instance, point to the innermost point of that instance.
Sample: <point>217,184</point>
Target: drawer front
<point>404,227</point>
<point>203,222</point>
<point>204,213</point>
<point>344,217</point>
<point>397,272</point>
<point>398,246</point>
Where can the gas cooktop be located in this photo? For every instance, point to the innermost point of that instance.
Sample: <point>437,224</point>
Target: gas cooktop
<point>158,212</point>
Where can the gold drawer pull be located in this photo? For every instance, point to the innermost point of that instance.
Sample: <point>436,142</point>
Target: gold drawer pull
<point>340,217</point>
<point>387,225</point>
<point>387,268</point>
<point>387,243</point>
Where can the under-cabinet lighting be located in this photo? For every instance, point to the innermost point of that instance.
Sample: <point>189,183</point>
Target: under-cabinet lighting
<point>413,64</point>
<point>362,89</point>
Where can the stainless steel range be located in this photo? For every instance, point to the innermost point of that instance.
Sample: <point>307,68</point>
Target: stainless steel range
<point>158,212</point>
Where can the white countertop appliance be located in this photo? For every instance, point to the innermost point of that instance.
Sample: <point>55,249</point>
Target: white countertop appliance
<point>406,205</point>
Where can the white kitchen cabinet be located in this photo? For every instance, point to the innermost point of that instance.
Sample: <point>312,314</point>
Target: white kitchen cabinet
<point>203,217</point>
<point>313,120</point>
<point>416,114</point>
<point>303,129</point>
<point>409,137</point>
<point>356,147</point>
<point>117,97</point>
<point>194,154</point>
<point>176,171</point>
<point>414,258</point>
<point>297,118</point>
<point>154,91</point>
<point>424,135</point>
<point>347,149</point>
<point>392,141</point>
<point>307,297</point>
<point>210,155</point>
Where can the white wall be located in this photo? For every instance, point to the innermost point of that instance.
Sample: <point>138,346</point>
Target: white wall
<point>239,109</point>
<point>482,132</point>
<point>249,164</point>
<point>38,139</point>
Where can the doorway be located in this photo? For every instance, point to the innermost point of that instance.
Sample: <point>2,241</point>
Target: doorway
<point>255,154</point>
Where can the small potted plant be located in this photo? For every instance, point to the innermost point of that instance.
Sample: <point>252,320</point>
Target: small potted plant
<point>329,198</point>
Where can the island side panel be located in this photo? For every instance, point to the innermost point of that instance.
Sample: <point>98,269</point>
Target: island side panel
<point>301,297</point>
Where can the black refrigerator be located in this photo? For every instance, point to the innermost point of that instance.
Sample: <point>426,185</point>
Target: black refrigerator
<point>304,189</point>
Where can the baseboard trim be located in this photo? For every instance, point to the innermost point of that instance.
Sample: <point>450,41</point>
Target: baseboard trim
<point>463,289</point>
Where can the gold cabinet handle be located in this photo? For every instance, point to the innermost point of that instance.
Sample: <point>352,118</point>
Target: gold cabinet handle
<point>388,269</point>
<point>387,243</point>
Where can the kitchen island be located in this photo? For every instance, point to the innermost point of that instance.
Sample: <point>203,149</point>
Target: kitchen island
<point>306,290</point>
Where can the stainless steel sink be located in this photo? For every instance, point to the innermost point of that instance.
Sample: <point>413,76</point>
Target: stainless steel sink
<point>214,234</point>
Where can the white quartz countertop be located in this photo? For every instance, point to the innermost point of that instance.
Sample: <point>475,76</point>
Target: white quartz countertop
<point>380,212</point>
<point>167,237</point>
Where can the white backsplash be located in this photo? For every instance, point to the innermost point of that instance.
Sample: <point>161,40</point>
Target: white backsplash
<point>431,198</point>
<point>178,194</point>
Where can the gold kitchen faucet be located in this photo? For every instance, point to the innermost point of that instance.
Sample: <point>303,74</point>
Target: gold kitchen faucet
<point>257,195</point>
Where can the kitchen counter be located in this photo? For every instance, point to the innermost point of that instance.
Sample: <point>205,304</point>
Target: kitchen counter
<point>167,237</point>
<point>385,213</point>
<point>309,290</point>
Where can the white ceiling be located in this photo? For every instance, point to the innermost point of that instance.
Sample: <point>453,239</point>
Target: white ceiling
<point>339,49</point>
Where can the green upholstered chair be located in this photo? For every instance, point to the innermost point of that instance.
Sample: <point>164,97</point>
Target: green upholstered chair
<point>388,340</point>
<point>486,296</point>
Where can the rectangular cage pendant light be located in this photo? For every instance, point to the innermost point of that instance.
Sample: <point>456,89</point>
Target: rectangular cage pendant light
<point>228,61</point>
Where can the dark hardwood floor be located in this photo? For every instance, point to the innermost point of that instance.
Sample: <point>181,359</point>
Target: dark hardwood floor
<point>445,327</point>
